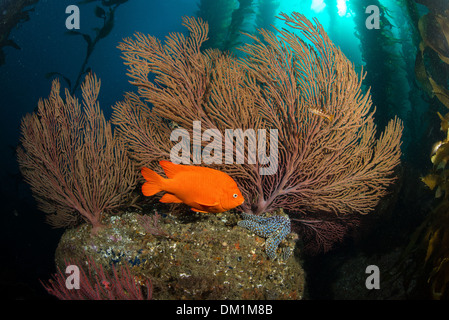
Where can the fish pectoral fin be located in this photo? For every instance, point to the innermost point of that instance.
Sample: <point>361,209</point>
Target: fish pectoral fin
<point>205,207</point>
<point>170,198</point>
<point>216,203</point>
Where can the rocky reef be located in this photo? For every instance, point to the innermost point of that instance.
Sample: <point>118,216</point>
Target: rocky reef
<point>195,256</point>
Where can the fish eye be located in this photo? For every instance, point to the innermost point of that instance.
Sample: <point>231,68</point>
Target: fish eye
<point>235,195</point>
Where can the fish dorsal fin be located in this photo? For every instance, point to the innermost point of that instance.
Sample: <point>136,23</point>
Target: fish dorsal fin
<point>170,198</point>
<point>172,169</point>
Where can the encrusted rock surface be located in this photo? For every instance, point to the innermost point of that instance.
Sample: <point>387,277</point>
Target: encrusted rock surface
<point>198,256</point>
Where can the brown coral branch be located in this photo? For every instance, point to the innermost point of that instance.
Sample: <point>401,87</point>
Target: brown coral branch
<point>73,162</point>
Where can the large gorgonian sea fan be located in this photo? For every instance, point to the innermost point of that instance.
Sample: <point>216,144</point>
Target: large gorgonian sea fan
<point>302,85</point>
<point>76,166</point>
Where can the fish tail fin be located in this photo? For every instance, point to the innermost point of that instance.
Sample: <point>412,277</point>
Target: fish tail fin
<point>154,182</point>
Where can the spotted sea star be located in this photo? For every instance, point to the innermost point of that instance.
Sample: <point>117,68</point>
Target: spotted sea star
<point>274,228</point>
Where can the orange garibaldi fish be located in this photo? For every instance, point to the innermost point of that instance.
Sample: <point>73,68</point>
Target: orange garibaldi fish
<point>203,189</point>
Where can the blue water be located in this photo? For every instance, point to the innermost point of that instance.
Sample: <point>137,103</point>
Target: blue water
<point>45,47</point>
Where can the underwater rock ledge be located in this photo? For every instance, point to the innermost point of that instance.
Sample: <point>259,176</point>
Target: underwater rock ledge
<point>204,256</point>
